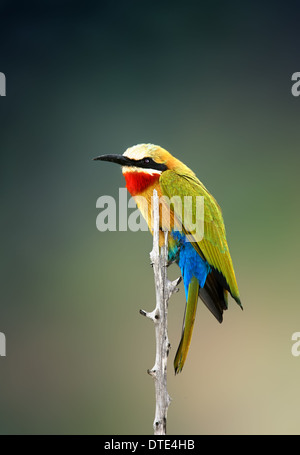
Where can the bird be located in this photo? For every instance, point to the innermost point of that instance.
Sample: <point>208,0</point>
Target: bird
<point>204,260</point>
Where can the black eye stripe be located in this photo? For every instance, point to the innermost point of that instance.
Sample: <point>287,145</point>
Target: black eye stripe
<point>149,163</point>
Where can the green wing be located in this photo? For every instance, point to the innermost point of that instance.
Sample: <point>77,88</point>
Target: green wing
<point>213,246</point>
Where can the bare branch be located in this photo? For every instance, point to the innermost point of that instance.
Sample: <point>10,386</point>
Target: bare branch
<point>163,291</point>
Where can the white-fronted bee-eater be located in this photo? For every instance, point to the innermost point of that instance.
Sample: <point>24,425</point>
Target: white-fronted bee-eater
<point>205,262</point>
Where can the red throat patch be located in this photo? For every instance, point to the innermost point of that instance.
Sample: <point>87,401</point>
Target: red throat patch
<point>137,182</point>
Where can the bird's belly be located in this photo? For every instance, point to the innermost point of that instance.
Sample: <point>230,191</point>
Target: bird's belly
<point>167,219</point>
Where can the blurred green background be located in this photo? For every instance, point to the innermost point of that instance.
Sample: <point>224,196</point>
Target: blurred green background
<point>211,83</point>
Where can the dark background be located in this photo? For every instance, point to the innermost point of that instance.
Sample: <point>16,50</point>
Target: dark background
<point>211,83</point>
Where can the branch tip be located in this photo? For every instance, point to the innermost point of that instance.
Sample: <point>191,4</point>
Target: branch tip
<point>152,373</point>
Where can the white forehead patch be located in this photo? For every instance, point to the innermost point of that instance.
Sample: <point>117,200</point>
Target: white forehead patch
<point>137,152</point>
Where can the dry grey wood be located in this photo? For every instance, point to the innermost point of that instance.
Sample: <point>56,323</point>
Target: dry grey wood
<point>163,291</point>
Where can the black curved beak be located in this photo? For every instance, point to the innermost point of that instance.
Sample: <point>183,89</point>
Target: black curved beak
<point>119,159</point>
<point>146,163</point>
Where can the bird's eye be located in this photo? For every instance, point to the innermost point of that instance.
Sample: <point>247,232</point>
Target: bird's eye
<point>147,160</point>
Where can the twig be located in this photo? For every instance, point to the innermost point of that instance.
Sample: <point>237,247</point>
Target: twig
<point>163,290</point>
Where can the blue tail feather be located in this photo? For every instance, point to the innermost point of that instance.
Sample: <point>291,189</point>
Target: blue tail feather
<point>189,261</point>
